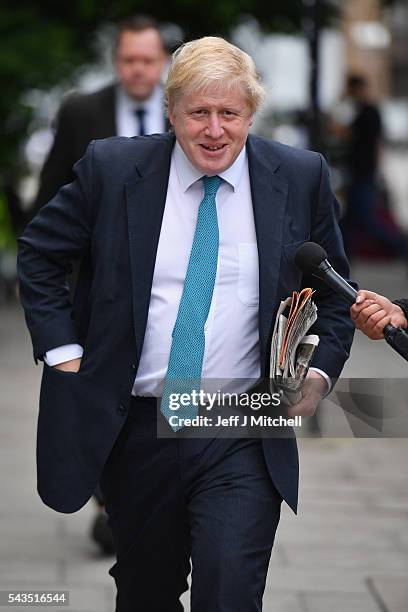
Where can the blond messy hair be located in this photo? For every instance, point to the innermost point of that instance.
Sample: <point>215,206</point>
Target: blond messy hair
<point>212,61</point>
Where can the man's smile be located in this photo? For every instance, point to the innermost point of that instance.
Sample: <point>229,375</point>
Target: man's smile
<point>213,150</point>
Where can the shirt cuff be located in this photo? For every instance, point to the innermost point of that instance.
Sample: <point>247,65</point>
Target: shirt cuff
<point>63,353</point>
<point>327,379</point>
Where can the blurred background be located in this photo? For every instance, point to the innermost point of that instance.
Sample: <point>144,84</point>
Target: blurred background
<point>337,82</point>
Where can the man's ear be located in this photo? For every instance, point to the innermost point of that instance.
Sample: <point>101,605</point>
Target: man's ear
<point>170,110</point>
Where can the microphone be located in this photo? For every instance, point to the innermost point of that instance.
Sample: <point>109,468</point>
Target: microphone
<point>311,258</point>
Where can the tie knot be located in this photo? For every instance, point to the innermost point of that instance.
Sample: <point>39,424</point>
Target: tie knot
<point>211,184</point>
<point>140,113</point>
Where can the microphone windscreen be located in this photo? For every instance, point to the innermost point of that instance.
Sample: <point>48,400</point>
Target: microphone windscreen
<point>309,255</point>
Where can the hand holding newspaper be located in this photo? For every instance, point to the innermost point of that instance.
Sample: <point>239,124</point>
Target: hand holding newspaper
<point>292,349</point>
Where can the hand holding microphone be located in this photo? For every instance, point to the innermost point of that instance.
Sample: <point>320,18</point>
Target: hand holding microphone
<point>372,312</point>
<point>379,319</point>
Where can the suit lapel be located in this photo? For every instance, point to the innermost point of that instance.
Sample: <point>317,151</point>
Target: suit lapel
<point>146,197</point>
<point>269,192</point>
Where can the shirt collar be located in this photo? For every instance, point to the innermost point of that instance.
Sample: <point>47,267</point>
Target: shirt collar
<point>189,174</point>
<point>128,103</point>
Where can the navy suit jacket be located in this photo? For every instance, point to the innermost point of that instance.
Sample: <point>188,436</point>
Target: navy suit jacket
<point>110,218</point>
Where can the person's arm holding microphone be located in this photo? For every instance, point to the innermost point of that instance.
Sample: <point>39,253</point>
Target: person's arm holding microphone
<point>372,312</point>
<point>312,258</point>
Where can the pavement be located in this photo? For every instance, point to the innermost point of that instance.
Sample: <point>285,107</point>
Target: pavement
<point>346,551</point>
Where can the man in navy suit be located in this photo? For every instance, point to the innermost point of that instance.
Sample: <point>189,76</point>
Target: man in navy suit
<point>188,241</point>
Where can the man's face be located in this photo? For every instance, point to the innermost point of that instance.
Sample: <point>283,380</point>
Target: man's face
<point>139,62</point>
<point>211,127</point>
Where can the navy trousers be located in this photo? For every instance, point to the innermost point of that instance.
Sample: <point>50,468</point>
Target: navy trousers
<point>173,503</point>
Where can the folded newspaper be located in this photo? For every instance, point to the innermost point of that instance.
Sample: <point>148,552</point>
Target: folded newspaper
<point>292,348</point>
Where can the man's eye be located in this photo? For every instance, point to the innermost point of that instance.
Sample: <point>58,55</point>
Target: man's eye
<point>198,113</point>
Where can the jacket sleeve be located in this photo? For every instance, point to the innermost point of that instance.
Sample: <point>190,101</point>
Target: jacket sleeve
<point>334,325</point>
<point>59,233</point>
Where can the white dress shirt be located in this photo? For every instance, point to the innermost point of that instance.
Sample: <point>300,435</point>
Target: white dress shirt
<point>231,350</point>
<point>127,123</point>
<point>231,355</point>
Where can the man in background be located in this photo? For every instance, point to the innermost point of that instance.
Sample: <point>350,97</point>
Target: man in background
<point>132,106</point>
<point>363,142</point>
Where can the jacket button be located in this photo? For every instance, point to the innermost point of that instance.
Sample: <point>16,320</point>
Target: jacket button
<point>121,410</point>
<point>133,366</point>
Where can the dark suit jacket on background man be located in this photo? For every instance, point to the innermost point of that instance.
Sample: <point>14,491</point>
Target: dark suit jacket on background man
<point>81,118</point>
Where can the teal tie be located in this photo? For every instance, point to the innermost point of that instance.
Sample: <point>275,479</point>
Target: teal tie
<point>188,344</point>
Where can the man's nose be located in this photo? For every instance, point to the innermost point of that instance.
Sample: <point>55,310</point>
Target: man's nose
<point>214,128</point>
<point>138,66</point>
